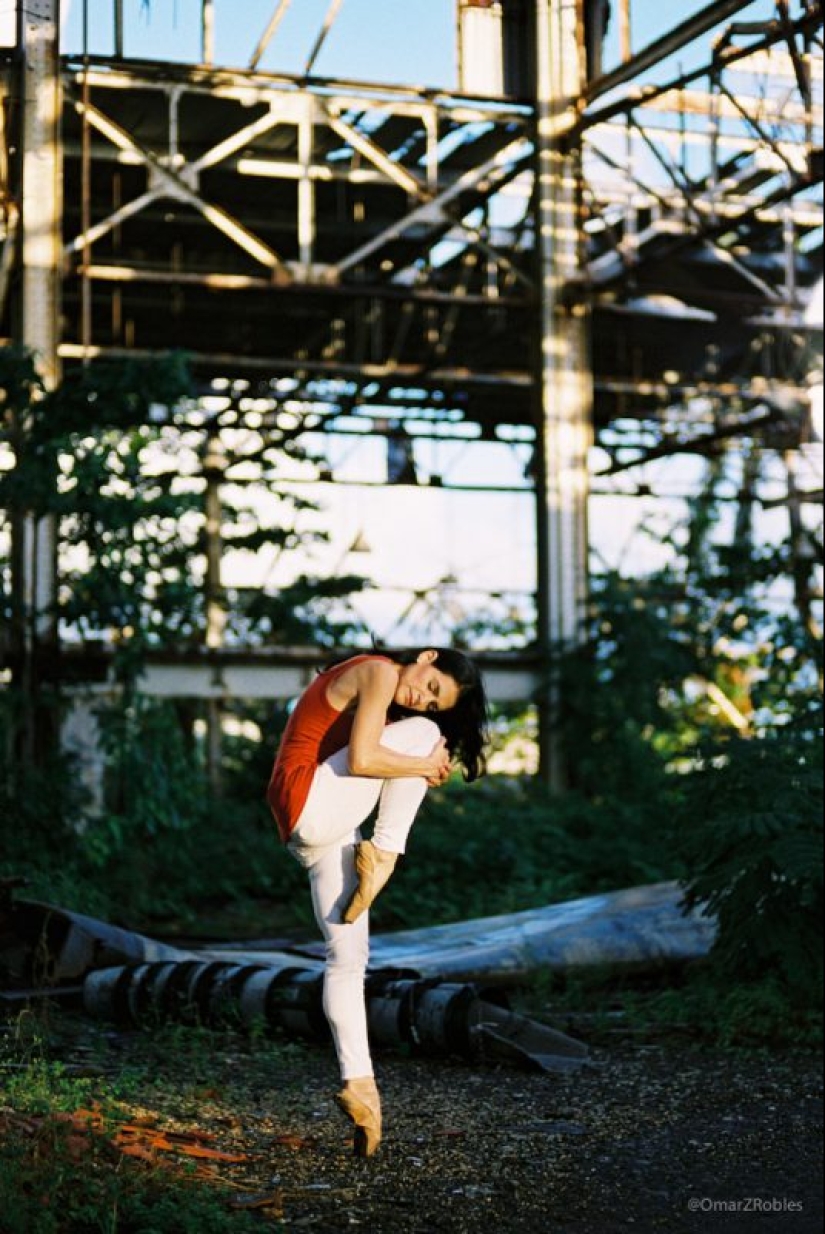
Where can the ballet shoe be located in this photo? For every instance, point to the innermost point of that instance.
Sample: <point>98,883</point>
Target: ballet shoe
<point>374,866</point>
<point>361,1103</point>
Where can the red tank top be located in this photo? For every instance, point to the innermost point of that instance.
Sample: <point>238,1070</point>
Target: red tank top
<point>314,731</point>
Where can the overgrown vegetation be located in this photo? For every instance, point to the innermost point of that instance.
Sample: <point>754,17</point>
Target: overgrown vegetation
<point>692,721</point>
<point>105,1151</point>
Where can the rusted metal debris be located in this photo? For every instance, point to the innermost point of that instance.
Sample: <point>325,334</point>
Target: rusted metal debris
<point>430,989</point>
<point>430,1017</point>
<point>641,926</point>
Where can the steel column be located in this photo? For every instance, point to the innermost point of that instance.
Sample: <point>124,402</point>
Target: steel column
<point>214,466</point>
<point>564,379</point>
<point>41,179</point>
<point>35,547</point>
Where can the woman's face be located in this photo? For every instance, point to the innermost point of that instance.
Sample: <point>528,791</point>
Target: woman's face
<point>423,687</point>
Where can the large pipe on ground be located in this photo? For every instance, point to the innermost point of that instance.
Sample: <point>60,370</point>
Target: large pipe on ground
<point>430,1017</point>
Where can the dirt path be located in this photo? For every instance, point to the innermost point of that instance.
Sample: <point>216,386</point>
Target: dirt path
<point>650,1136</point>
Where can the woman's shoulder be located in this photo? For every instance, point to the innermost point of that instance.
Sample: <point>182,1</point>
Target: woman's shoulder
<point>366,659</point>
<point>367,666</point>
<point>361,673</point>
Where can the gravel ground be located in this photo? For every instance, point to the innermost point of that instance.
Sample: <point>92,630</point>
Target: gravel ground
<point>652,1134</point>
<point>656,1138</point>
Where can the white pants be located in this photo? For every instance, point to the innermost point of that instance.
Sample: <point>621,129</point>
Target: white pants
<point>324,842</point>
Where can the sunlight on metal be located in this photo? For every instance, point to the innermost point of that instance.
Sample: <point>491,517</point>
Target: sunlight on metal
<point>269,33</point>
<point>329,21</point>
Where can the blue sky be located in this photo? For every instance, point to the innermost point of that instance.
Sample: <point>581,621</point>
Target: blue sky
<point>392,42</point>
<point>395,41</point>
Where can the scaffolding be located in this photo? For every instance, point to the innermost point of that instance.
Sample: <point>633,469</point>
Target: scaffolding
<point>567,254</point>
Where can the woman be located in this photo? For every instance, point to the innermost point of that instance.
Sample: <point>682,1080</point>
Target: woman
<point>373,730</point>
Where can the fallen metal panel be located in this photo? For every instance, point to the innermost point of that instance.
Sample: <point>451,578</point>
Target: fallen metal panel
<point>640,925</point>
<point>43,944</point>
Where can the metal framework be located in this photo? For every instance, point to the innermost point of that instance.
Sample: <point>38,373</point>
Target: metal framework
<point>628,253</point>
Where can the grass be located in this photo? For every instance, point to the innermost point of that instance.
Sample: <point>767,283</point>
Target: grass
<point>177,1128</point>
<point>98,1146</point>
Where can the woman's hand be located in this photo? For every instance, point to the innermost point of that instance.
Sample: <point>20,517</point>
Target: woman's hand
<point>441,764</point>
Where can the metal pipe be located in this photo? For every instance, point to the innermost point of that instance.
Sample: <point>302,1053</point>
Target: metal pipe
<point>208,32</point>
<point>329,21</point>
<point>86,185</point>
<point>111,273</point>
<point>214,466</point>
<point>418,99</point>
<point>800,69</point>
<point>307,223</point>
<point>268,34</point>
<point>118,19</point>
<point>668,45</point>
<point>222,362</point>
<point>789,241</point>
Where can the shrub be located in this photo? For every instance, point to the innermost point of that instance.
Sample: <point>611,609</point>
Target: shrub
<point>754,845</point>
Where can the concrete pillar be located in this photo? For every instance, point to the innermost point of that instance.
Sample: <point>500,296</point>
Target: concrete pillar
<point>564,377</point>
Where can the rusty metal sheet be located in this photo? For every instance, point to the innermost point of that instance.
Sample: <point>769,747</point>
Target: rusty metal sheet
<point>44,944</point>
<point>637,926</point>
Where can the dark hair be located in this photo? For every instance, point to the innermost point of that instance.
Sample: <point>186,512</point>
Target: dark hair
<point>465,726</point>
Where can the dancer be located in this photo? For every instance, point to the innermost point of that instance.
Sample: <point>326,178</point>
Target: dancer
<point>373,730</point>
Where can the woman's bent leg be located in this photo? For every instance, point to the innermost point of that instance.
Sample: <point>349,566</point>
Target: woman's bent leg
<point>339,802</point>
<point>398,805</point>
<point>400,799</point>
<point>333,881</point>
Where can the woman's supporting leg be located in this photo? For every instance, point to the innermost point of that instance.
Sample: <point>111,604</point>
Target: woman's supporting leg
<point>333,881</point>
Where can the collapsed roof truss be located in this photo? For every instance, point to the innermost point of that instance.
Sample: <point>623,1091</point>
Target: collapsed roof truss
<point>385,236</point>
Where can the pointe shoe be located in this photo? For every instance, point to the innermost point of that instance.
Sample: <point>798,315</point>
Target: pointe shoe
<point>360,1102</point>
<point>373,867</point>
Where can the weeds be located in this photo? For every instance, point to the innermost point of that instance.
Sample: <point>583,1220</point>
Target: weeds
<point>78,1155</point>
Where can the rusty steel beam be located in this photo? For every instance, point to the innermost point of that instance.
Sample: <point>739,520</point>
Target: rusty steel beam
<point>323,34</point>
<point>228,362</point>
<point>722,58</point>
<point>269,33</point>
<point>668,45</point>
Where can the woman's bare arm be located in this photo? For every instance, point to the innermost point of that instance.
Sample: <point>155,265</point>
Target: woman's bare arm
<point>372,686</point>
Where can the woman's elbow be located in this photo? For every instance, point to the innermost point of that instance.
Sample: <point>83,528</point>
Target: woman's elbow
<point>360,763</point>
